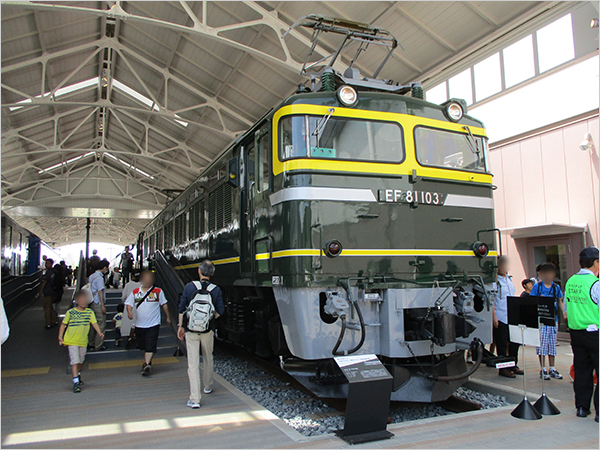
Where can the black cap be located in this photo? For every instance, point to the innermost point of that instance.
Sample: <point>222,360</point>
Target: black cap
<point>589,253</point>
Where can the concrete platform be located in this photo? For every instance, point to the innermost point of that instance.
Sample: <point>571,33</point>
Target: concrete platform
<point>120,409</point>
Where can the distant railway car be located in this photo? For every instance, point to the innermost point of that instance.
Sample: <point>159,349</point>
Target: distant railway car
<point>352,219</point>
<point>20,249</point>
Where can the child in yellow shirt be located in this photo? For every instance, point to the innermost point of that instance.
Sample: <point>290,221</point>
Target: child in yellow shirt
<point>75,339</point>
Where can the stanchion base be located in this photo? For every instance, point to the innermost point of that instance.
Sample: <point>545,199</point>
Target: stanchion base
<point>526,411</point>
<point>545,407</point>
<point>365,437</point>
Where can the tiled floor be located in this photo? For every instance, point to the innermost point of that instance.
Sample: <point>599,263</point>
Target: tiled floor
<point>119,409</point>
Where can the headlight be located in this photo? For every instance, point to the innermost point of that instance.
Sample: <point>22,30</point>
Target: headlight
<point>454,111</point>
<point>480,249</point>
<point>332,248</point>
<point>347,96</point>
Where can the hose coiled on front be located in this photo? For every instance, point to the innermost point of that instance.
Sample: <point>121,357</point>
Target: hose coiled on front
<point>363,333</point>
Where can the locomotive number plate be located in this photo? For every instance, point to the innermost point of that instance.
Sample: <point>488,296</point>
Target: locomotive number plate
<point>413,197</point>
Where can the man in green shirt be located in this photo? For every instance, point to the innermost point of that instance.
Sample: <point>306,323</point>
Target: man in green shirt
<point>581,311</point>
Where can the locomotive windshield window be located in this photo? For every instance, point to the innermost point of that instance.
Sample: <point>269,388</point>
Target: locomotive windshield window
<point>341,138</point>
<point>448,149</point>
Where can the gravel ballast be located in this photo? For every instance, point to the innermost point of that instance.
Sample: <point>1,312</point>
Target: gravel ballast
<point>312,417</point>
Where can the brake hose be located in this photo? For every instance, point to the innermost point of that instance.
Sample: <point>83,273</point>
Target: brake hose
<point>476,342</point>
<point>363,333</point>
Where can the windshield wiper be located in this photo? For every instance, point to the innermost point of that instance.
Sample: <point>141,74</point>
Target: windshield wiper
<point>323,122</point>
<point>472,141</point>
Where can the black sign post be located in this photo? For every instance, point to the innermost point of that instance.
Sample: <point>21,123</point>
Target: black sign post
<point>547,316</point>
<point>368,403</point>
<point>529,313</point>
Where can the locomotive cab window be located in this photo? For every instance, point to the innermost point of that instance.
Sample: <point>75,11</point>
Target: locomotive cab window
<point>448,149</point>
<point>329,137</point>
<point>263,166</point>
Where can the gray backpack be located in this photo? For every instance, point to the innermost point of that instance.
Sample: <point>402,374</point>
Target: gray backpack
<point>200,310</point>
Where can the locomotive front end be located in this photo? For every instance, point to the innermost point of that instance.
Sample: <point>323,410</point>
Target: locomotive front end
<point>387,242</point>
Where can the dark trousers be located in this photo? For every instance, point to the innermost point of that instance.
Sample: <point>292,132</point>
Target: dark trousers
<point>503,345</point>
<point>126,273</point>
<point>585,361</point>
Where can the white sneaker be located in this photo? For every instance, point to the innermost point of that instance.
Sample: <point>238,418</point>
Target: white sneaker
<point>193,405</point>
<point>207,391</point>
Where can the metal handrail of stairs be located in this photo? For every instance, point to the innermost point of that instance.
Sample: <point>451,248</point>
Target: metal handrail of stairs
<point>170,281</point>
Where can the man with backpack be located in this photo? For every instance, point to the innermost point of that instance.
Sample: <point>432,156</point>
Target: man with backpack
<point>201,303</point>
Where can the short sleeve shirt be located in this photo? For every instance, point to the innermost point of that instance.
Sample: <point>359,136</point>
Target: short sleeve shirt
<point>97,285</point>
<point>540,290</point>
<point>78,326</point>
<point>148,313</point>
<point>118,320</point>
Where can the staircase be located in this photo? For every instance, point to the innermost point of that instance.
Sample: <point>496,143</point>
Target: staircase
<point>167,340</point>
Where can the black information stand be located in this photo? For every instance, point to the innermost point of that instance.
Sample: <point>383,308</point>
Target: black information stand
<point>547,316</point>
<point>368,404</point>
<point>528,313</point>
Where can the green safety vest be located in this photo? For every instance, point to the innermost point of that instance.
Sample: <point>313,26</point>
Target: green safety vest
<point>581,310</point>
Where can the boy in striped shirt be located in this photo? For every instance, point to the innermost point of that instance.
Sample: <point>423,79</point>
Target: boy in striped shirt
<point>75,339</point>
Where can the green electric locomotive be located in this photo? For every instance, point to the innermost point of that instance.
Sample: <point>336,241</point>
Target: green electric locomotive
<point>350,219</point>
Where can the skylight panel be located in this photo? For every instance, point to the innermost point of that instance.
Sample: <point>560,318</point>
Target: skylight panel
<point>65,163</point>
<point>61,91</point>
<point>129,166</point>
<point>143,99</point>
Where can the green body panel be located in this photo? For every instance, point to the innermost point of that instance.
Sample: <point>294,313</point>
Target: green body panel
<point>304,224</point>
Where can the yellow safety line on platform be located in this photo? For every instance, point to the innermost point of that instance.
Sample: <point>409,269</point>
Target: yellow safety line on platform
<point>130,363</point>
<point>23,372</point>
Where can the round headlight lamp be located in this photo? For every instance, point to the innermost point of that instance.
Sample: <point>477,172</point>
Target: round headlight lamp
<point>332,248</point>
<point>347,95</point>
<point>454,111</point>
<point>481,249</point>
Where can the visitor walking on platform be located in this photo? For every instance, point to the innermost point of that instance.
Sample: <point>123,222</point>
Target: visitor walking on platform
<point>48,292</point>
<point>147,300</point>
<point>60,281</point>
<point>201,303</point>
<point>581,312</point>
<point>504,347</point>
<point>93,263</point>
<point>126,264</point>
<point>77,321</point>
<point>98,289</point>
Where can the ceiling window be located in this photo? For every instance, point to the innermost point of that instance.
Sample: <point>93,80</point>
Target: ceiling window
<point>555,43</point>
<point>518,61</point>
<point>61,91</point>
<point>488,80</point>
<point>461,87</point>
<point>438,94</point>
<point>65,163</point>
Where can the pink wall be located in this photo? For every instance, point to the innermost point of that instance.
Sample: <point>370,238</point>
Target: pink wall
<point>545,178</point>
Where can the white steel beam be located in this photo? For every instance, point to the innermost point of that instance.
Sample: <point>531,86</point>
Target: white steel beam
<point>199,28</point>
